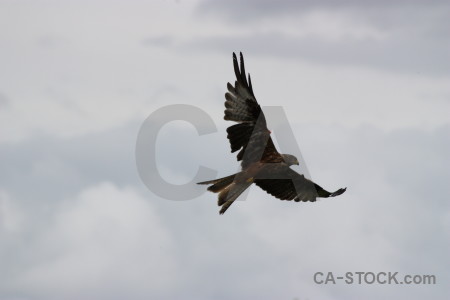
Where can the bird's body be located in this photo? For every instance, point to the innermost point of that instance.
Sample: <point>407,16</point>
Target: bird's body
<point>261,163</point>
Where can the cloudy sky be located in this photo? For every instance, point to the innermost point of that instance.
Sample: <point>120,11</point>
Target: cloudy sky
<point>365,88</point>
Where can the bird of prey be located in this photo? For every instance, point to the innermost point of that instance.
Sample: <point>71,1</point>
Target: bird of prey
<point>261,163</point>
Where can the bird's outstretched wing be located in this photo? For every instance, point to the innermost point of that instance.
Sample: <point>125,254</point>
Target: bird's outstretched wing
<point>286,184</point>
<point>250,135</point>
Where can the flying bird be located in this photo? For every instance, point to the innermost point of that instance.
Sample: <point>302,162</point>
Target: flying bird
<point>261,163</point>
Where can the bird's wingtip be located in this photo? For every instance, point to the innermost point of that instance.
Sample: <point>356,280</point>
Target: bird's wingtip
<point>338,192</point>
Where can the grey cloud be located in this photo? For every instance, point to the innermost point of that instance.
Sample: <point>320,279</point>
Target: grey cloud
<point>395,194</point>
<point>164,40</point>
<point>83,242</point>
<point>50,41</point>
<point>46,168</point>
<point>3,100</point>
<point>252,10</point>
<point>392,218</point>
<point>399,53</point>
<point>417,32</point>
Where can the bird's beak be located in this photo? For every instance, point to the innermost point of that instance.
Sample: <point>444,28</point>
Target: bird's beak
<point>297,163</point>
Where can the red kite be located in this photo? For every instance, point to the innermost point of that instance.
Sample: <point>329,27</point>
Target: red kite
<point>261,163</point>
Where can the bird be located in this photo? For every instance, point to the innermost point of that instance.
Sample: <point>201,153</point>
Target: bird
<point>261,163</point>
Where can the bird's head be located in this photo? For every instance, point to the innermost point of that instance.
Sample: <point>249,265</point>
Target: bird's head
<point>290,159</point>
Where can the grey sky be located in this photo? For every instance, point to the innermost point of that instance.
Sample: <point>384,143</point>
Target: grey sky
<point>365,89</point>
<point>401,35</point>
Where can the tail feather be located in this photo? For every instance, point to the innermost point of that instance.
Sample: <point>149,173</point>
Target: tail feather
<point>228,190</point>
<point>219,184</point>
<point>230,194</point>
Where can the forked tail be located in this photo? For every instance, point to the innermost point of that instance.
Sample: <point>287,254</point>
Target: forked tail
<point>228,188</point>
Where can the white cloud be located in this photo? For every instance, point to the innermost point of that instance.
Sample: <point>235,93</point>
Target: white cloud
<point>103,241</point>
<point>108,240</point>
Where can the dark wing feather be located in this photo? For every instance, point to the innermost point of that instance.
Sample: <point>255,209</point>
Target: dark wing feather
<point>286,184</point>
<point>250,135</point>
